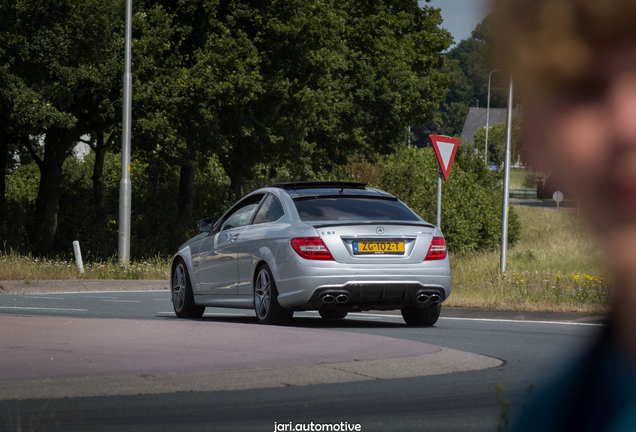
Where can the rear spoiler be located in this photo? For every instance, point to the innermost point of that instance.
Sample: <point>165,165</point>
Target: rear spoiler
<point>381,197</point>
<point>353,223</point>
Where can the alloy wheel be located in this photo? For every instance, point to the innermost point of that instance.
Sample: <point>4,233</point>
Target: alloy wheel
<point>263,293</point>
<point>179,288</point>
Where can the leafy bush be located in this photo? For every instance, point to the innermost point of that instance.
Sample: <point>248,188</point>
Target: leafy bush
<point>156,227</point>
<point>20,194</point>
<point>530,180</point>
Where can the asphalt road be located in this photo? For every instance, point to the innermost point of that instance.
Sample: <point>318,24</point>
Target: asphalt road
<point>464,401</point>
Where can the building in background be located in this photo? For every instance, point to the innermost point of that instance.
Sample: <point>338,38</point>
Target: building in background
<point>476,119</point>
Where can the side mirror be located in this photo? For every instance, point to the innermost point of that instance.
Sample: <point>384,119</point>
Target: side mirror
<point>205,225</point>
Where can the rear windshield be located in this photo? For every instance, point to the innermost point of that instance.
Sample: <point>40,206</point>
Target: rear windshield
<point>329,209</point>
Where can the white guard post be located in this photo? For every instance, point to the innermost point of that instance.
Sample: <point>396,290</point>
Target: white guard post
<point>78,256</point>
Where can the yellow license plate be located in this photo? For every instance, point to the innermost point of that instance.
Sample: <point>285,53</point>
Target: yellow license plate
<point>378,247</point>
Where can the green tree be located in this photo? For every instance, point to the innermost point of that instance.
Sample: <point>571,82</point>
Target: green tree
<point>208,71</point>
<point>497,142</point>
<point>63,63</point>
<point>299,84</point>
<point>468,63</point>
<point>395,49</point>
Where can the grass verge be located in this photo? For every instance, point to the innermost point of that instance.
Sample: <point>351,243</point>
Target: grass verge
<point>555,266</point>
<point>14,266</point>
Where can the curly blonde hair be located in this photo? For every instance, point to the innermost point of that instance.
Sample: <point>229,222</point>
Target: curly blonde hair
<point>549,42</point>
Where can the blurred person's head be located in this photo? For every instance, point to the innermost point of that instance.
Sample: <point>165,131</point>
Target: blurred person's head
<point>575,65</point>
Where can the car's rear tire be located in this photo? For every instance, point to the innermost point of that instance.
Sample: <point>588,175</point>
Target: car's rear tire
<point>421,317</point>
<point>333,314</point>
<point>182,295</point>
<point>268,310</point>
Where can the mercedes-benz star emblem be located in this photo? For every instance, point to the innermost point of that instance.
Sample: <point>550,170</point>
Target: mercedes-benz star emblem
<point>379,230</point>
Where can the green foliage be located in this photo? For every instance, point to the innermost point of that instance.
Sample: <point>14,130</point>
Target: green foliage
<point>237,92</point>
<point>530,180</point>
<point>497,141</point>
<point>20,194</point>
<point>156,225</point>
<point>292,81</point>
<point>62,63</point>
<point>471,201</point>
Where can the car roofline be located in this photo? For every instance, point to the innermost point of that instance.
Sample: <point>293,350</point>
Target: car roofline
<point>319,185</point>
<point>348,189</point>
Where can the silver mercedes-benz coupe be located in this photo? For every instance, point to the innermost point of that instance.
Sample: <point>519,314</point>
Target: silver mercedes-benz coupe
<point>334,247</point>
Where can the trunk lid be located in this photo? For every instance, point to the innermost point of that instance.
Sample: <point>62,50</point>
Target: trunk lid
<point>376,242</point>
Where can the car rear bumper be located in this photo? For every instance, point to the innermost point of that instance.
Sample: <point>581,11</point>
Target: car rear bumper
<point>303,283</point>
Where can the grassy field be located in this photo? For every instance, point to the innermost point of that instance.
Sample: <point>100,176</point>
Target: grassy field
<point>555,266</point>
<point>516,177</point>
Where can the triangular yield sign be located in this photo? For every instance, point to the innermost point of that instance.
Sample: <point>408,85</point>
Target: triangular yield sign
<point>445,148</point>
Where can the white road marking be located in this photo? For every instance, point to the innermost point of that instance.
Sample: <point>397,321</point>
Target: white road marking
<point>487,320</point>
<point>221,314</point>
<point>122,301</point>
<point>50,298</point>
<point>102,292</point>
<point>523,321</point>
<point>40,308</point>
<point>208,314</point>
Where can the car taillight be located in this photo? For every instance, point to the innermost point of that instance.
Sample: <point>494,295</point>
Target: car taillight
<point>437,251</point>
<point>311,248</point>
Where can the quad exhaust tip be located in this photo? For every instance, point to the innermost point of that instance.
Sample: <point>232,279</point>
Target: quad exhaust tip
<point>337,298</point>
<point>425,298</point>
<point>422,298</point>
<point>328,298</point>
<point>342,298</point>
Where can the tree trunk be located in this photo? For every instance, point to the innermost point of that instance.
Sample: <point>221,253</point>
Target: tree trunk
<point>237,177</point>
<point>47,206</point>
<point>185,201</point>
<point>4,158</point>
<point>99,190</point>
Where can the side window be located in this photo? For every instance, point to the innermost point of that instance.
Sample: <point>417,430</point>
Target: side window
<point>270,211</point>
<point>242,213</point>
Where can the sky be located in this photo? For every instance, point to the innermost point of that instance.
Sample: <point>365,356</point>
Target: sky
<point>460,16</point>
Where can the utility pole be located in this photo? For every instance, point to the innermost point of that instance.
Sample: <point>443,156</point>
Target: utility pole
<point>488,117</point>
<point>124,183</point>
<point>506,186</point>
<point>439,198</point>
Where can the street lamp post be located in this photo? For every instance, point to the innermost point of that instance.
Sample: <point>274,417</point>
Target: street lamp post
<point>488,117</point>
<point>124,183</point>
<point>505,208</point>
